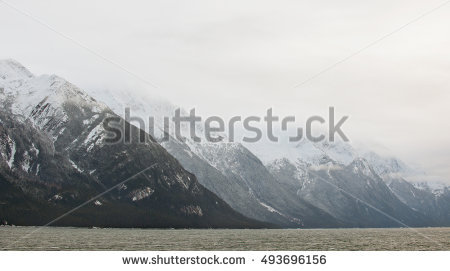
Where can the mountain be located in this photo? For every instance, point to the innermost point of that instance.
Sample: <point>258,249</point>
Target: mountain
<point>360,187</point>
<point>353,193</point>
<point>293,185</point>
<point>229,170</point>
<point>432,202</point>
<point>54,157</point>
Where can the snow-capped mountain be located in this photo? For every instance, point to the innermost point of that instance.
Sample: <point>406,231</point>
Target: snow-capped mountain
<point>228,169</point>
<point>353,193</point>
<point>53,158</point>
<point>258,179</point>
<point>311,153</point>
<point>351,175</point>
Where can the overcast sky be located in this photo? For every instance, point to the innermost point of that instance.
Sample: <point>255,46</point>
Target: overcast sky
<point>242,57</point>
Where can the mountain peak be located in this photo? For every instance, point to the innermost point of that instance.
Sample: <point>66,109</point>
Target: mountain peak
<point>362,165</point>
<point>10,69</point>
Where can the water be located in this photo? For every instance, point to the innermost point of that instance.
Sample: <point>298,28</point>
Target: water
<point>33,238</point>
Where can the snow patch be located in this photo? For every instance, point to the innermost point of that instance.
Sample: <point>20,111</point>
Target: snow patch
<point>95,137</point>
<point>26,161</point>
<point>57,197</point>
<point>12,154</point>
<point>142,194</point>
<point>75,166</point>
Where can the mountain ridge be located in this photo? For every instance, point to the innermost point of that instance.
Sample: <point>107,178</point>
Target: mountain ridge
<point>53,159</point>
<point>303,185</point>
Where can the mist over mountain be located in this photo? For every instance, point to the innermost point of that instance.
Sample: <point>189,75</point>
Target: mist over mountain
<point>296,184</point>
<point>54,157</point>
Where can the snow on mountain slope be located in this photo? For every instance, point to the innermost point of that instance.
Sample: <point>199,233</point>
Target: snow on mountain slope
<point>305,151</point>
<point>144,107</point>
<point>255,179</point>
<point>237,171</point>
<point>12,70</point>
<point>311,153</point>
<point>42,99</point>
<point>228,169</point>
<point>53,158</point>
<point>352,193</point>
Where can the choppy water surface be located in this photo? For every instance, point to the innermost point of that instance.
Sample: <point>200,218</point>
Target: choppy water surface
<point>33,238</point>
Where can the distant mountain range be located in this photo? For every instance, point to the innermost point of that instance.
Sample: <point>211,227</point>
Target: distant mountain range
<point>53,158</point>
